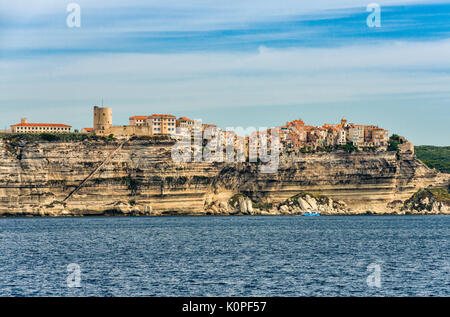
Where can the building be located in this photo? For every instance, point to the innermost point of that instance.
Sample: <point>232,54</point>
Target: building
<point>184,122</point>
<point>102,120</point>
<point>156,124</point>
<point>162,124</point>
<point>25,127</point>
<point>185,125</point>
<point>344,122</point>
<point>342,136</point>
<point>380,137</point>
<point>299,129</point>
<point>355,134</point>
<point>87,130</point>
<point>138,120</point>
<point>375,136</point>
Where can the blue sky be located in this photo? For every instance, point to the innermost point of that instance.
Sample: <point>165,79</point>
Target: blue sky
<point>233,63</point>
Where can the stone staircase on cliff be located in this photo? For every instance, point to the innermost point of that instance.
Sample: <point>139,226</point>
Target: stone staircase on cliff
<point>105,161</point>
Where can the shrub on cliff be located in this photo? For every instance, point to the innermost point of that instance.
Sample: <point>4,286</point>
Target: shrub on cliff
<point>396,138</point>
<point>424,199</point>
<point>349,147</point>
<point>153,138</point>
<point>263,206</point>
<point>174,181</point>
<point>294,199</point>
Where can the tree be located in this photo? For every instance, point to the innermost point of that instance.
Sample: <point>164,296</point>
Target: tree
<point>393,142</point>
<point>349,147</point>
<point>392,145</point>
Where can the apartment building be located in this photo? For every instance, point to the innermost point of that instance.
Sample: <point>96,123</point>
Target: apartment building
<point>164,124</point>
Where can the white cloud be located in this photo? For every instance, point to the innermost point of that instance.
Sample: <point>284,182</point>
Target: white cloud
<point>264,78</point>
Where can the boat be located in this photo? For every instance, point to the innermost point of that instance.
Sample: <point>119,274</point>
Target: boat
<point>311,213</point>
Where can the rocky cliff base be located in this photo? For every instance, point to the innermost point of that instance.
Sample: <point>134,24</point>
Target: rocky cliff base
<point>429,201</point>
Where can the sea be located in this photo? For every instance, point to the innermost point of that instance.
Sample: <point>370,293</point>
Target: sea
<point>226,256</point>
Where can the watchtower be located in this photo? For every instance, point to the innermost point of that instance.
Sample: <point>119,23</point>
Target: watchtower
<point>102,118</point>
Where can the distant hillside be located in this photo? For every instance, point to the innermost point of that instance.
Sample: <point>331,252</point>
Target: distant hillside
<point>437,157</point>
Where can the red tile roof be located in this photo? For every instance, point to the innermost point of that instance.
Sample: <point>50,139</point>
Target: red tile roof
<point>185,119</point>
<point>42,125</point>
<point>163,115</point>
<point>139,117</point>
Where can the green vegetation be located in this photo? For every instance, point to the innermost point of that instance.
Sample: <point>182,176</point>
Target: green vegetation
<point>437,157</point>
<point>128,181</point>
<point>396,138</point>
<point>418,200</point>
<point>349,147</point>
<point>152,138</point>
<point>174,181</point>
<point>294,199</point>
<point>234,200</point>
<point>50,137</point>
<point>132,183</point>
<point>201,180</point>
<point>393,143</point>
<point>263,206</point>
<point>156,179</point>
<point>439,193</point>
<point>306,149</point>
<point>393,146</point>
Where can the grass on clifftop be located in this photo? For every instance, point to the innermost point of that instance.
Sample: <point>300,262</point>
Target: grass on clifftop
<point>440,194</point>
<point>437,157</point>
<point>51,137</point>
<point>73,137</point>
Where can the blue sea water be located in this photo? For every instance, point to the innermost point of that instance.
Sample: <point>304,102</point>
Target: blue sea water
<point>226,256</point>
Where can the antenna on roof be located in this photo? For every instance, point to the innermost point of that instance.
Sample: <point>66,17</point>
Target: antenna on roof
<point>102,102</point>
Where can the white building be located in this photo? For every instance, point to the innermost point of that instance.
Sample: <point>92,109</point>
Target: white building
<point>25,127</point>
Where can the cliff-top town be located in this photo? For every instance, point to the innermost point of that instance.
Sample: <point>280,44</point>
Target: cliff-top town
<point>293,135</point>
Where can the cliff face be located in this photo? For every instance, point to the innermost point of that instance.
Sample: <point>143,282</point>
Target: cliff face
<point>36,178</point>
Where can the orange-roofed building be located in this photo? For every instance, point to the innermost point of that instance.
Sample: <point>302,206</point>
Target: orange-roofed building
<point>164,124</point>
<point>25,127</point>
<point>138,120</point>
<point>184,122</point>
<point>300,130</point>
<point>356,134</point>
<point>207,125</point>
<point>380,137</point>
<point>87,130</point>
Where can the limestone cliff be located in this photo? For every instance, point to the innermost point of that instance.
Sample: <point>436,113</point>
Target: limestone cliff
<point>139,177</point>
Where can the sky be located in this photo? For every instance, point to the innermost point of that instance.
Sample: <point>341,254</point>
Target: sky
<point>246,63</point>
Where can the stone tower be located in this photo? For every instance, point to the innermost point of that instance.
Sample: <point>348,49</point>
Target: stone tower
<point>102,118</point>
